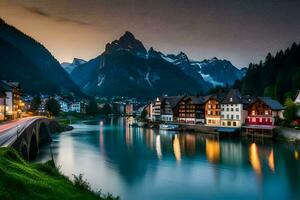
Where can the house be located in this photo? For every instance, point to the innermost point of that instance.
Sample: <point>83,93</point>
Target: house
<point>297,99</point>
<point>232,109</point>
<point>128,109</point>
<point>213,109</point>
<point>192,110</point>
<point>13,103</point>
<point>148,109</point>
<point>156,109</point>
<point>118,108</point>
<point>264,111</point>
<point>2,104</point>
<point>64,105</point>
<point>170,108</point>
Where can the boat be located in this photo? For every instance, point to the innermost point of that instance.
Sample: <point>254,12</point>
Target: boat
<point>168,127</point>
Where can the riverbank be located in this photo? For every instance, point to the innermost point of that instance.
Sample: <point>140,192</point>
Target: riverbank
<point>277,133</point>
<point>289,134</point>
<point>22,180</point>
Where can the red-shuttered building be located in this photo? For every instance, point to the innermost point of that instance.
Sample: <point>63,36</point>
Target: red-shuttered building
<point>264,111</point>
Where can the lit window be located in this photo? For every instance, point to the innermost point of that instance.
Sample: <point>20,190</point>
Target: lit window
<point>253,112</point>
<point>230,99</point>
<point>266,112</point>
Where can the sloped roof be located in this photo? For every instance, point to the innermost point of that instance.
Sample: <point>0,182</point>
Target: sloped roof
<point>173,100</point>
<point>232,97</point>
<point>273,104</point>
<point>218,96</point>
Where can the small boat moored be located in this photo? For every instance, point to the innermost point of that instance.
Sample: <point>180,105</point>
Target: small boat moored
<point>168,127</point>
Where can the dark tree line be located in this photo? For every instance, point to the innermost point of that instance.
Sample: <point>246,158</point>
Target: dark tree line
<point>277,76</point>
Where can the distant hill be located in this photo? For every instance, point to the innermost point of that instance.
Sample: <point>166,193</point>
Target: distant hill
<point>277,76</point>
<point>25,60</point>
<point>126,68</point>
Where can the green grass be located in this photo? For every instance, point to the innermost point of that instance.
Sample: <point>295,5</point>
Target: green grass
<point>22,180</point>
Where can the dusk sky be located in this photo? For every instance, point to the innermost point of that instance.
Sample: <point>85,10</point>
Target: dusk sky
<point>240,31</point>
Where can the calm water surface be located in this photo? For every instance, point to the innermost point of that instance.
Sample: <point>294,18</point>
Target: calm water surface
<point>144,164</point>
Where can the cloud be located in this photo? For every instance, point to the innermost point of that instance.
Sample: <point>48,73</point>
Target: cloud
<point>40,12</point>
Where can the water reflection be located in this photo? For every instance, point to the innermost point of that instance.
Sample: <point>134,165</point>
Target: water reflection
<point>158,147</point>
<point>254,158</point>
<point>271,161</point>
<point>212,150</point>
<point>176,148</point>
<point>139,163</point>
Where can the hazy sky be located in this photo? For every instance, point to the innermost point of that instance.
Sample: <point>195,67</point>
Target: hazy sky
<point>241,31</point>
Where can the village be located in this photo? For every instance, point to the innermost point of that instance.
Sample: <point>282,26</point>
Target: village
<point>14,104</point>
<point>222,113</point>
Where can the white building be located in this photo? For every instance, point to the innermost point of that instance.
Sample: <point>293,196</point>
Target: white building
<point>297,100</point>
<point>64,106</point>
<point>232,111</point>
<point>76,107</point>
<point>156,109</point>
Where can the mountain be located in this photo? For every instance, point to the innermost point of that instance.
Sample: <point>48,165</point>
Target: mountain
<point>25,60</point>
<point>278,76</point>
<point>127,63</point>
<point>127,69</point>
<point>69,67</point>
<point>214,71</point>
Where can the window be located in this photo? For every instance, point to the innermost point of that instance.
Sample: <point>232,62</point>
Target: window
<point>253,112</point>
<point>237,109</point>
<point>230,99</point>
<point>231,116</point>
<point>223,123</point>
<point>229,123</point>
<point>227,109</point>
<point>234,123</point>
<point>227,116</point>
<point>237,117</point>
<point>266,112</point>
<point>222,116</point>
<point>231,109</point>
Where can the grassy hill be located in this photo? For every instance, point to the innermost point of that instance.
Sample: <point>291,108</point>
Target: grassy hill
<point>21,180</point>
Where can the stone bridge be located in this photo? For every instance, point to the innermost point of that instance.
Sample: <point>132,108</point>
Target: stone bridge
<point>26,135</point>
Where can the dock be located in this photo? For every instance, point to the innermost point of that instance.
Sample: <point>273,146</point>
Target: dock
<point>259,131</point>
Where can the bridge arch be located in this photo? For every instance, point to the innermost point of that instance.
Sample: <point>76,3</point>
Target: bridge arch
<point>24,149</point>
<point>33,147</point>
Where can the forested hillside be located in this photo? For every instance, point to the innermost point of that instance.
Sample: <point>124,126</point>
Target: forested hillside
<point>277,76</point>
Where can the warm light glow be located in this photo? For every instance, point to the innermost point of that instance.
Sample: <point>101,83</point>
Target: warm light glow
<point>176,148</point>
<point>158,147</point>
<point>296,155</point>
<point>271,161</point>
<point>212,150</point>
<point>254,158</point>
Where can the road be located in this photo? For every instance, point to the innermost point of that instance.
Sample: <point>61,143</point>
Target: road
<point>9,131</point>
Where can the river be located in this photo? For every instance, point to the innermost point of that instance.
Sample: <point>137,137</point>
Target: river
<point>144,164</point>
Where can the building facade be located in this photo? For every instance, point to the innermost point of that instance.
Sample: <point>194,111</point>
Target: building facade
<point>170,108</point>
<point>129,109</point>
<point>13,104</point>
<point>156,109</point>
<point>264,111</point>
<point>232,110</point>
<point>213,110</point>
<point>192,110</point>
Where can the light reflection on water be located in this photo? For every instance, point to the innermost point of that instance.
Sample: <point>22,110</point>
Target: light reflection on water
<point>138,163</point>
